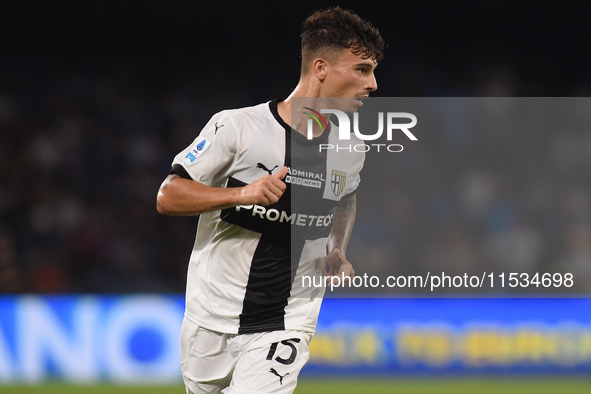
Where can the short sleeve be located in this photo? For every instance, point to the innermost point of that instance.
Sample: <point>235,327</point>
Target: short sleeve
<point>210,157</point>
<point>358,166</point>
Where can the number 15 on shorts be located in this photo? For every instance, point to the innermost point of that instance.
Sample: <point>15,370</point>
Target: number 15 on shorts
<point>292,356</point>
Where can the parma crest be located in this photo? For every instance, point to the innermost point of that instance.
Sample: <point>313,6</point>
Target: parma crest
<point>337,183</point>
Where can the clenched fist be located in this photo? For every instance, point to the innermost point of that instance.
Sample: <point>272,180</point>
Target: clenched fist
<point>264,191</point>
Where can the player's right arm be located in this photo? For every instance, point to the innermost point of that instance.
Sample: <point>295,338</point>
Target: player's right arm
<point>199,173</point>
<point>182,196</point>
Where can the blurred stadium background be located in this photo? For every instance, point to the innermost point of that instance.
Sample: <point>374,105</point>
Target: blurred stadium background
<point>97,98</point>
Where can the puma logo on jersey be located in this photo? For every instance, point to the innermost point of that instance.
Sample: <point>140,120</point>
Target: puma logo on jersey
<point>217,127</point>
<point>274,372</point>
<point>263,167</point>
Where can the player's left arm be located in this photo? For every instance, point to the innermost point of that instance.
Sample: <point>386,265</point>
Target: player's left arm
<point>342,227</point>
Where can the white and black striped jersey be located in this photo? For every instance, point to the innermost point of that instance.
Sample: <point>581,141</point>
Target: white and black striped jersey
<point>245,269</point>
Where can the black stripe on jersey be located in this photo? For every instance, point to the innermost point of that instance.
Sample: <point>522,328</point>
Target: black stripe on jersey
<point>306,157</point>
<point>271,273</point>
<point>180,171</point>
<point>268,287</point>
<point>246,218</point>
<point>276,258</point>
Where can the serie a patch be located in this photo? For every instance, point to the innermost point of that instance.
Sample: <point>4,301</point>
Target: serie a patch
<point>196,151</point>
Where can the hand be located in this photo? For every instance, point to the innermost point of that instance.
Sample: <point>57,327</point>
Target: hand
<point>264,191</point>
<point>339,268</point>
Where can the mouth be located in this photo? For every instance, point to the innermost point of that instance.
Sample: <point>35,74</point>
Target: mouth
<point>360,100</point>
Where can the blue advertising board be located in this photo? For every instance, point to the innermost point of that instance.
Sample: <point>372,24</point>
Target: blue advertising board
<point>123,339</point>
<point>414,336</point>
<point>135,338</point>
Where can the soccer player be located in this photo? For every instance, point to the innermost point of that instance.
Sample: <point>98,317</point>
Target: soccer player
<point>248,322</point>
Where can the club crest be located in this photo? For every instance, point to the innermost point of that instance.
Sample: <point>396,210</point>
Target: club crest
<point>338,181</point>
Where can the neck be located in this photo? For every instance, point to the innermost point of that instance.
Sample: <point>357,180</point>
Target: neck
<point>306,96</point>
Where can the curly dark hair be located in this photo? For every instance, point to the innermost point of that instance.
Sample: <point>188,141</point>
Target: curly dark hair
<point>336,28</point>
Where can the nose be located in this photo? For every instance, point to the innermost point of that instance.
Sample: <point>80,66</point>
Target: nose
<point>371,83</point>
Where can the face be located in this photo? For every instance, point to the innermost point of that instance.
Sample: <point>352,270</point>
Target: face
<point>350,76</point>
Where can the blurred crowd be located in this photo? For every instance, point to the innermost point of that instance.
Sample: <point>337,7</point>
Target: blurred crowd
<point>497,186</point>
<point>83,151</point>
<point>82,155</point>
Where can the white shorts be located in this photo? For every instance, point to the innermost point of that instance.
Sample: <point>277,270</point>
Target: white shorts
<point>268,362</point>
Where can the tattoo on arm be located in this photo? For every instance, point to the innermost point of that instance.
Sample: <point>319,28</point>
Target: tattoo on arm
<point>342,226</point>
<point>167,181</point>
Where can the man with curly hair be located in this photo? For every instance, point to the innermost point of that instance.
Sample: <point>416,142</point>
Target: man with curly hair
<point>247,326</point>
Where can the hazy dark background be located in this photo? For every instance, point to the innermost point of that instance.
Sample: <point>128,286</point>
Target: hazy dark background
<point>96,99</point>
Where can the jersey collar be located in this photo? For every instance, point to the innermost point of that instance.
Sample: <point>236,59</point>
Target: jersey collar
<point>294,133</point>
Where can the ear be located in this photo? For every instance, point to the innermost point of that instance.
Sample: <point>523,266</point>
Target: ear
<point>319,66</point>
